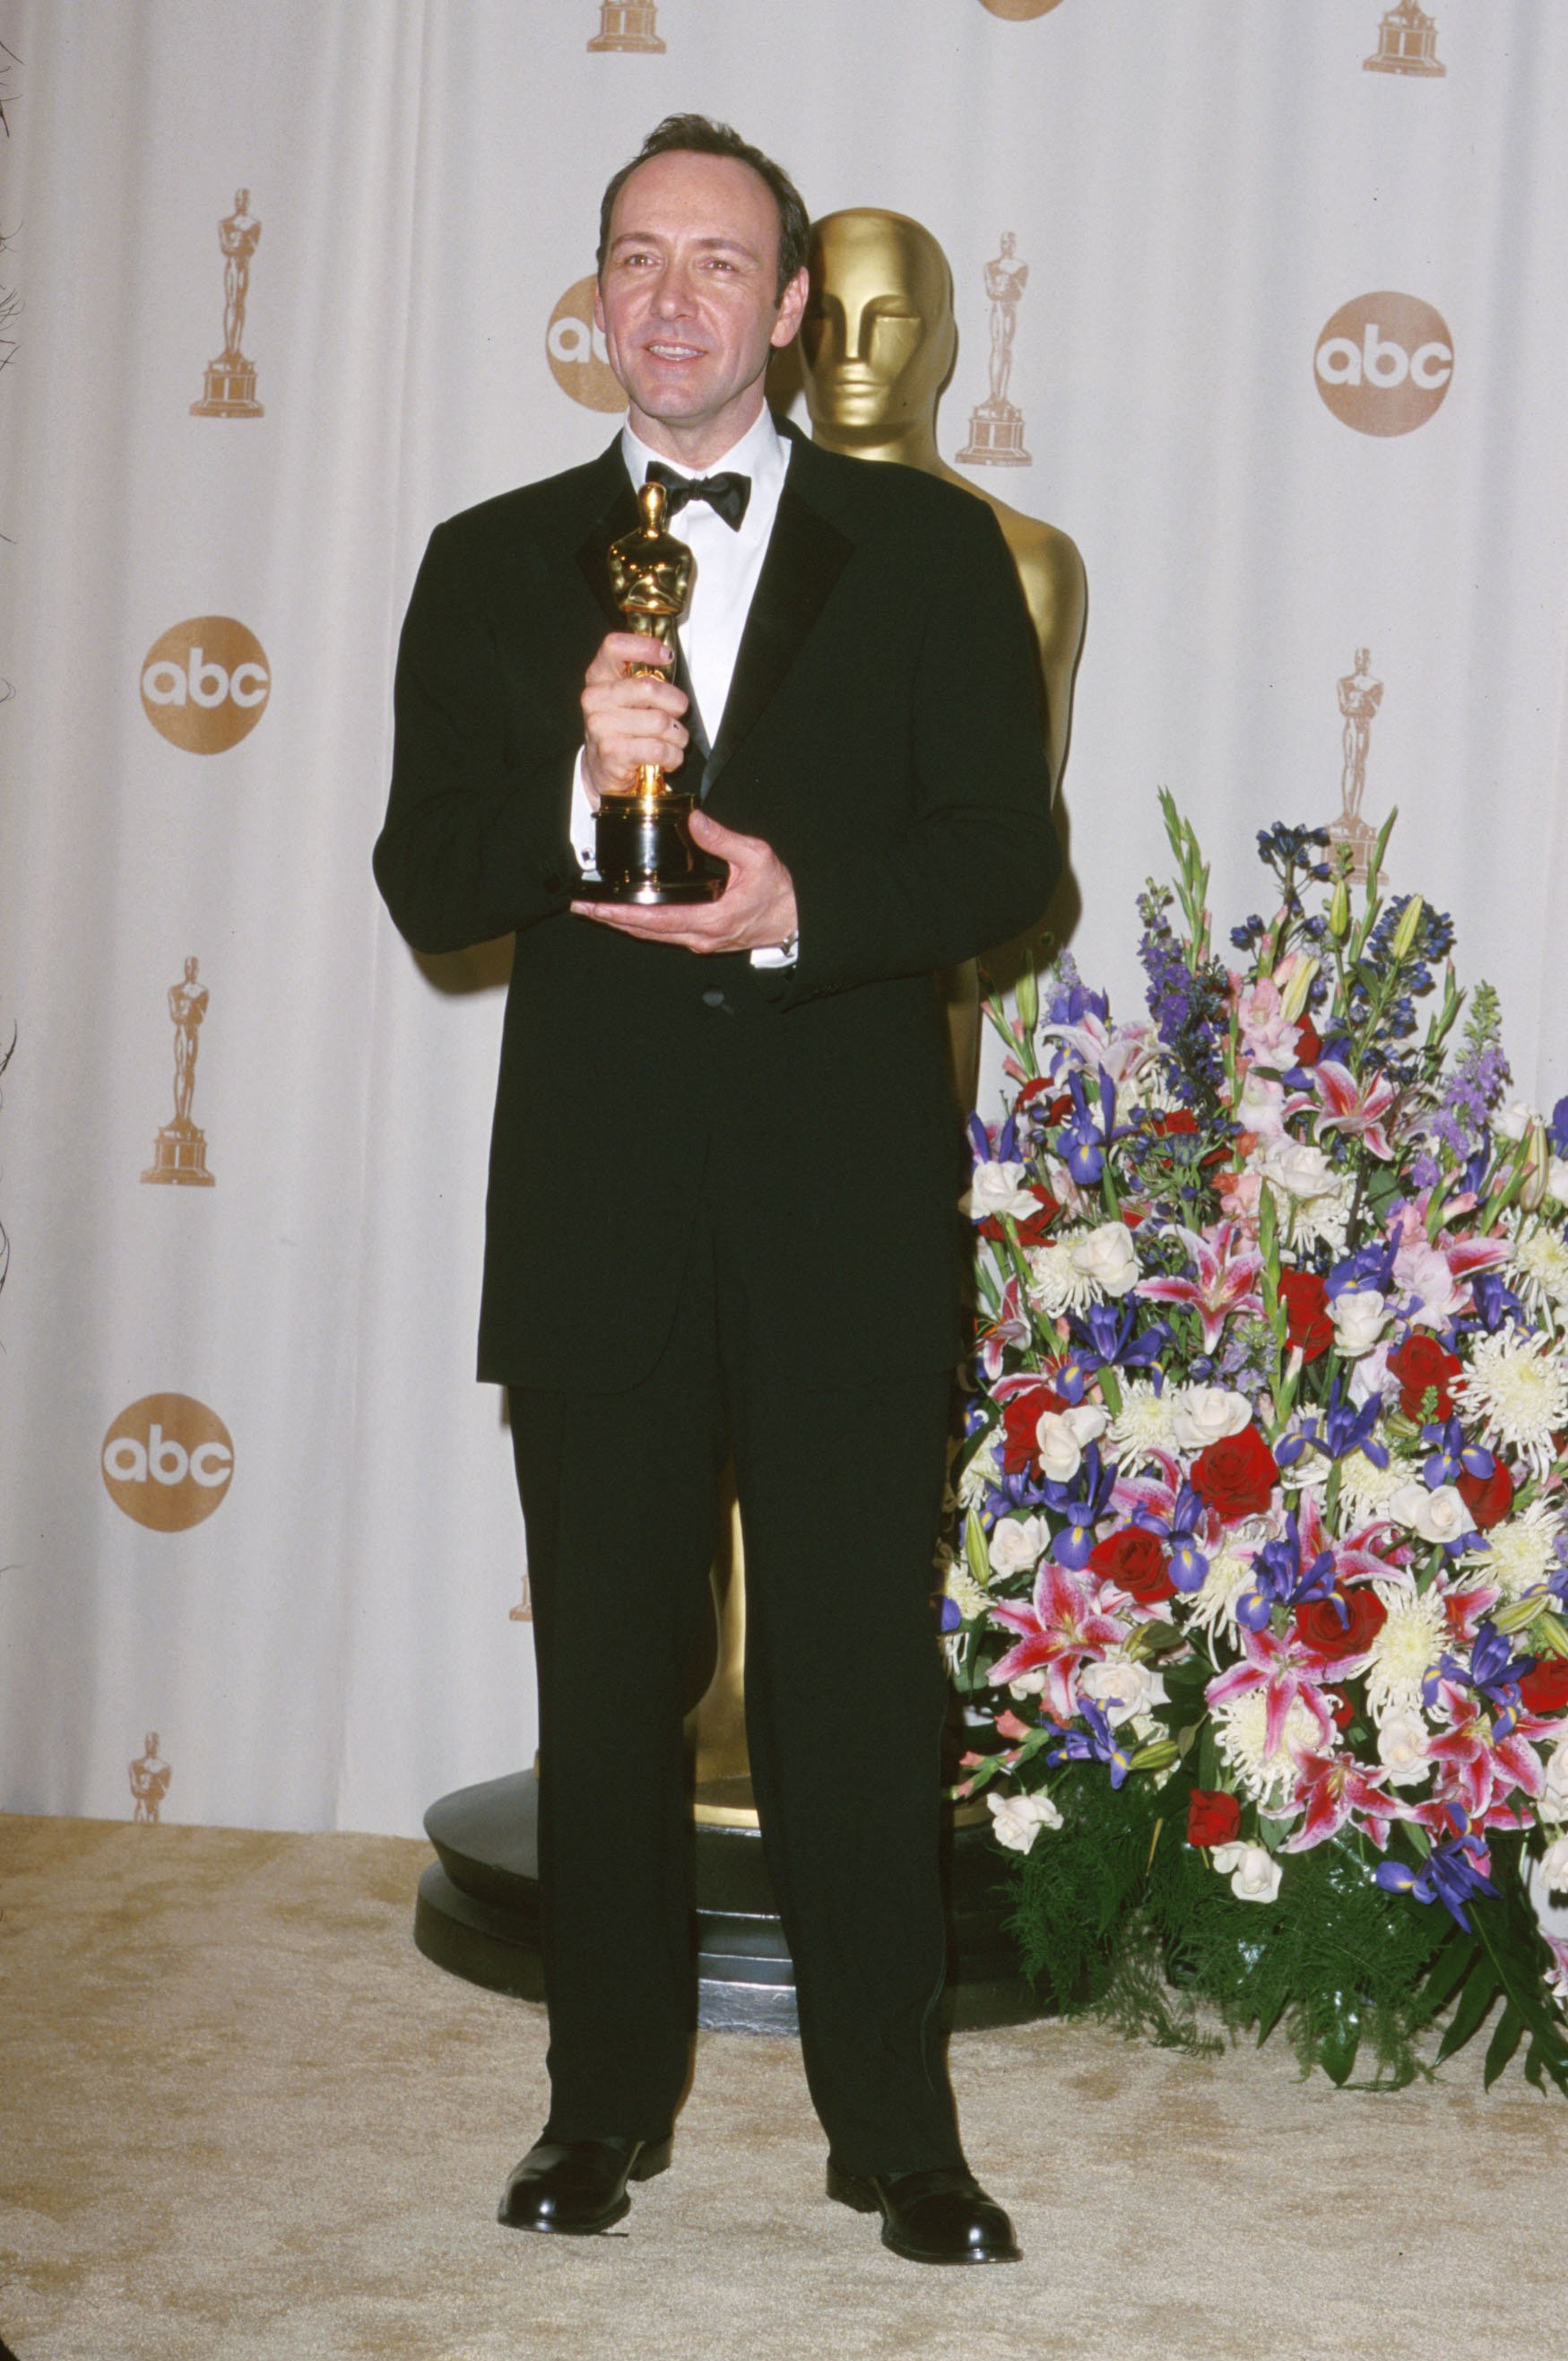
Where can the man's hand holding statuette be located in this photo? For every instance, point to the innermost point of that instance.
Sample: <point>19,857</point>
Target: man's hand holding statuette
<point>629,721</point>
<point>755,912</point>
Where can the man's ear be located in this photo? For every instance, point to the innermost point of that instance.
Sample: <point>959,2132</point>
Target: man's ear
<point>791,303</point>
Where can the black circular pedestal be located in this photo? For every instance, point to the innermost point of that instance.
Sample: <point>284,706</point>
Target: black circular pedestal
<point>477,1915</point>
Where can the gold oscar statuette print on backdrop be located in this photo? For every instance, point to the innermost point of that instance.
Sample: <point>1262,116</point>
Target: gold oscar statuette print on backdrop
<point>1407,43</point>
<point>628,25</point>
<point>877,346</point>
<point>150,1778</point>
<point>1359,699</point>
<point>179,1151</point>
<point>231,379</point>
<point>996,427</point>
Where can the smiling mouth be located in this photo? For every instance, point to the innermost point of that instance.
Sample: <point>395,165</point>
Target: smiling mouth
<point>663,352</point>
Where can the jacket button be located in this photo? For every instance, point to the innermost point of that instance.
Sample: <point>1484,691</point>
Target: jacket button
<point>714,999</point>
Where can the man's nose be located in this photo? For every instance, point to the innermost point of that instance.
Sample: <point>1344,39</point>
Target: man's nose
<point>672,296</point>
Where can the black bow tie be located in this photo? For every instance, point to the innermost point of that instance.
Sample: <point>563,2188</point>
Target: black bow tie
<point>726,495</point>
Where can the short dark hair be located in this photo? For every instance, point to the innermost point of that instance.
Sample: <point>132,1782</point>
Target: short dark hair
<point>698,135</point>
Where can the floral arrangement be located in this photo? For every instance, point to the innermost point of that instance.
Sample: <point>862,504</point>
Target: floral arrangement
<point>1256,1598</point>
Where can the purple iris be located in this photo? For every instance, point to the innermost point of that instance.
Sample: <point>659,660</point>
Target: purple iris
<point>1371,1266</point>
<point>1096,1744</point>
<point>1082,1501</point>
<point>1450,1456</point>
<point>1072,1007</point>
<point>1557,1129</point>
<point>1278,1579</point>
<point>1109,1341</point>
<point>1083,1139</point>
<point>1189,1567</point>
<point>1494,1673</point>
<point>1341,1430</point>
<point>1006,1147</point>
<point>1454,1873</point>
<point>1495,1301</point>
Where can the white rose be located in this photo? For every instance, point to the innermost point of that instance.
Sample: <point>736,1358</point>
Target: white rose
<point>1017,1820</point>
<point>1298,1168</point>
<point>1106,1256</point>
<point>998,1189</point>
<point>1439,1516</point>
<point>1515,1119</point>
<point>1554,1794</point>
<point>1403,1748</point>
<point>1358,1317</point>
<point>1252,1872</point>
<point>1121,1689</point>
<point>1557,1180</point>
<point>1554,1866</point>
<point>1206,1414</point>
<point>1018,1544</point>
<point>1062,1434</point>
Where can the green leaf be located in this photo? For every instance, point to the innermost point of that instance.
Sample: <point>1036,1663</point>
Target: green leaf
<point>1506,2040</point>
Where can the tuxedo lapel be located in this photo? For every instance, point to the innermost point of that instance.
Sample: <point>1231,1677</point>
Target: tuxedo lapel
<point>614,506</point>
<point>806,554</point>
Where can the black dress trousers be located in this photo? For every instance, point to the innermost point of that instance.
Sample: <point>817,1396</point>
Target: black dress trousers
<point>840,1492</point>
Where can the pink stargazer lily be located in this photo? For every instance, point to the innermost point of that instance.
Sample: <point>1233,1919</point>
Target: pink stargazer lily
<point>1349,1108</point>
<point>1476,1768</point>
<point>1064,1627</point>
<point>1011,1331</point>
<point>1335,1788</point>
<point>1227,1265</point>
<point>1286,1674</point>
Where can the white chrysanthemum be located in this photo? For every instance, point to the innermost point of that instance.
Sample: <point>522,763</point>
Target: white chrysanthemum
<point>1151,1085</point>
<point>1144,1424</point>
<point>1520,1386</point>
<point>965,1592</point>
<point>1227,1578</point>
<point>1241,1733</point>
<point>1315,1221</point>
<point>1404,1650</point>
<point>982,1473</point>
<point>1056,1282</point>
<point>1366,1489</point>
<point>1523,1550</point>
<point>1539,1265</point>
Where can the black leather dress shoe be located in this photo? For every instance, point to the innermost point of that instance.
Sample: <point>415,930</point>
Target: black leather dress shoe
<point>578,2186</point>
<point>943,2216</point>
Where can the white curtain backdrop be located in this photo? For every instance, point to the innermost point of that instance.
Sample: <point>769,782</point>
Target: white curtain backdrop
<point>328,1637</point>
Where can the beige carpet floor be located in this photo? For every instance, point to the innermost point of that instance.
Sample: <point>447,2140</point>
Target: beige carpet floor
<point>241,2117</point>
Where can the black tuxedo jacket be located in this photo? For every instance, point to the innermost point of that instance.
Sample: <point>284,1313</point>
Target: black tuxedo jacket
<point>883,735</point>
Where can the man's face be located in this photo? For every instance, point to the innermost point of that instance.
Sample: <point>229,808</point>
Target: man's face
<point>686,301</point>
<point>877,339</point>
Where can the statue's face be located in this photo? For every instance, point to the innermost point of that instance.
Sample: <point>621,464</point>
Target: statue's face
<point>877,341</point>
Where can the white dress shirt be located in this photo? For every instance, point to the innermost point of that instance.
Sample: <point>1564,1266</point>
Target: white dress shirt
<point>724,581</point>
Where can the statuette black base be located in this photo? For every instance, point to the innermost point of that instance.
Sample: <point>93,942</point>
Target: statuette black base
<point>645,852</point>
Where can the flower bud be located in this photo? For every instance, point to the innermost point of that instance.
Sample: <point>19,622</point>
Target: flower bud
<point>1339,912</point>
<point>1535,1167</point>
<point>1405,932</point>
<point>1027,997</point>
<point>1295,994</point>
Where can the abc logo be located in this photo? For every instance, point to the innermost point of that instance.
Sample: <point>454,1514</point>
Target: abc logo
<point>1016,9</point>
<point>576,354</point>
<point>206,683</point>
<point>168,1461</point>
<point>1384,363</point>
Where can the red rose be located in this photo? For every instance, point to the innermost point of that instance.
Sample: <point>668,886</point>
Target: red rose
<point>1213,1818</point>
<point>1175,1119</point>
<point>1487,1497</point>
<point>1319,1628</point>
<point>1134,1562</point>
<point>1237,1475</point>
<point>1545,1691</point>
<point>1421,1362</point>
<point>1341,1707</point>
<point>1032,1229</point>
<point>1309,1042</point>
<point>1307,1322</point>
<point>1020,1419</point>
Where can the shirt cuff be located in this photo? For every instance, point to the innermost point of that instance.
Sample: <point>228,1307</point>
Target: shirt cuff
<point>581,825</point>
<point>775,955</point>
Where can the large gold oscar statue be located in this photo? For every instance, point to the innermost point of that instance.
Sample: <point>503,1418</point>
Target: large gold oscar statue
<point>877,346</point>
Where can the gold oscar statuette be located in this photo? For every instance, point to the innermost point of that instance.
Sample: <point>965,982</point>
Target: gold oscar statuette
<point>642,833</point>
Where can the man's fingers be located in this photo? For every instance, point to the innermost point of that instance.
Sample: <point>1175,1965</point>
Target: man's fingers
<point>621,648</point>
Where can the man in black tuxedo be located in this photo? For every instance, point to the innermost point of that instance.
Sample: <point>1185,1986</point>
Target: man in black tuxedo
<point>722,1212</point>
